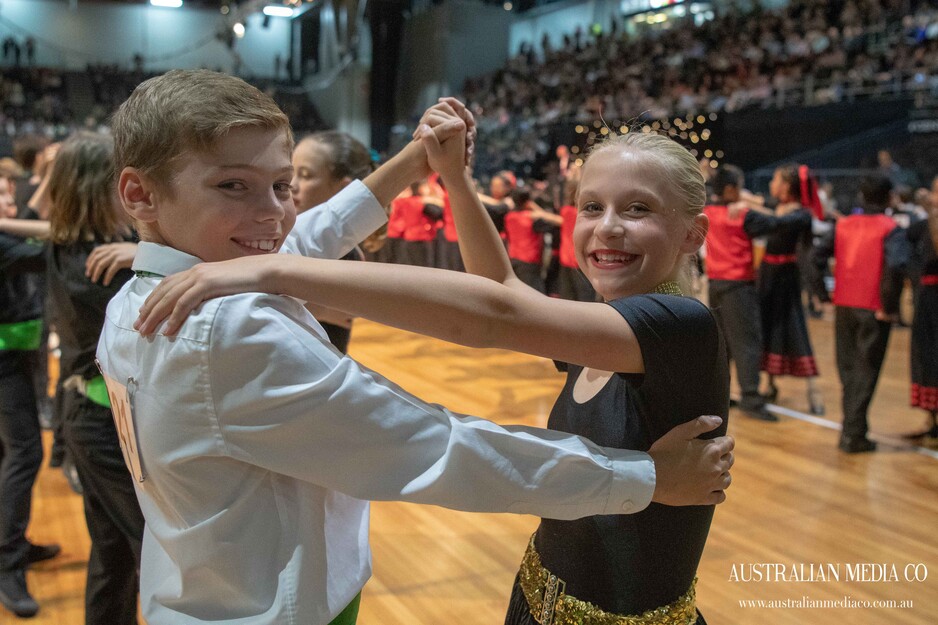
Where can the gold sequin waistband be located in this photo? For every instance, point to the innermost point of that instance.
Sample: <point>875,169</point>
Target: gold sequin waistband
<point>550,605</point>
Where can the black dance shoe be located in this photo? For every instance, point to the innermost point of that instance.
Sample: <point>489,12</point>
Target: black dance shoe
<point>760,414</point>
<point>14,596</point>
<point>40,553</point>
<point>856,445</point>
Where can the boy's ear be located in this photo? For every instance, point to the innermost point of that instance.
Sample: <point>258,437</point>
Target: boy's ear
<point>136,193</point>
<point>696,234</point>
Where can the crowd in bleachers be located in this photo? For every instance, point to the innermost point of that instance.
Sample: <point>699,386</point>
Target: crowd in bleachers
<point>36,100</point>
<point>808,52</point>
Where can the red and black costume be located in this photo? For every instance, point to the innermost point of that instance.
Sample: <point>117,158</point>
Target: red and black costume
<point>924,351</point>
<point>449,256</point>
<point>786,346</point>
<point>419,229</point>
<point>865,281</point>
<point>573,284</point>
<point>733,295</point>
<point>526,246</point>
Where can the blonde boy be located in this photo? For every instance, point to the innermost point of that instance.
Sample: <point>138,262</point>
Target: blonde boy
<point>253,443</point>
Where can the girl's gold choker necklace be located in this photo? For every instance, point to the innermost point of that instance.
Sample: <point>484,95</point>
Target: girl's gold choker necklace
<point>668,288</point>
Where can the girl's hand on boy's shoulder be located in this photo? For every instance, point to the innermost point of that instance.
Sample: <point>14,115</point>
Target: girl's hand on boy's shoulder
<point>105,261</point>
<point>176,296</point>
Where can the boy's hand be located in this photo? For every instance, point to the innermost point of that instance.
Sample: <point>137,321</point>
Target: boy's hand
<point>690,471</point>
<point>106,260</point>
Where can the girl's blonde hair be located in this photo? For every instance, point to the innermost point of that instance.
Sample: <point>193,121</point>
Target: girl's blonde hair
<point>81,192</point>
<point>680,168</point>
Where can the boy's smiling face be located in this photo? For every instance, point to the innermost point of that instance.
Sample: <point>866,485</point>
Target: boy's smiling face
<point>231,201</point>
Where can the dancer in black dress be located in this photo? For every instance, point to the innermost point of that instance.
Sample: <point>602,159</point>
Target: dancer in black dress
<point>786,346</point>
<point>924,351</point>
<point>324,163</point>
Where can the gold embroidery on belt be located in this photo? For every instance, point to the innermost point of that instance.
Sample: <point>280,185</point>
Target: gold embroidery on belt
<point>550,605</point>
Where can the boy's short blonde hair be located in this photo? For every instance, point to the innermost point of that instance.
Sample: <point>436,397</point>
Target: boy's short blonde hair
<point>186,110</point>
<point>10,169</point>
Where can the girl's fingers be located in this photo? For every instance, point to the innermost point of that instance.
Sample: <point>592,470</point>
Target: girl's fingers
<point>109,273</point>
<point>187,302</point>
<point>446,108</point>
<point>149,314</point>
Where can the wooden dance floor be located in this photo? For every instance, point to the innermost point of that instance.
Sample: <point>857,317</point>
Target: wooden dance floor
<point>797,505</point>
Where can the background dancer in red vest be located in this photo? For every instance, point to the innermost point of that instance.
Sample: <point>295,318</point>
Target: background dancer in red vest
<point>733,295</point>
<point>573,284</point>
<point>525,226</point>
<point>866,298</point>
<point>395,236</point>
<point>447,243</point>
<point>786,346</point>
<point>418,219</point>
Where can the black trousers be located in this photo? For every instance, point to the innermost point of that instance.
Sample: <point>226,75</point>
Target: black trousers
<point>735,304</point>
<point>339,336</point>
<point>417,253</point>
<point>21,453</point>
<point>861,347</point>
<point>448,256</point>
<point>112,513</point>
<point>529,273</point>
<point>573,285</point>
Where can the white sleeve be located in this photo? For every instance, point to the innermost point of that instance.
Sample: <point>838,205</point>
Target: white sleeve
<point>286,401</point>
<point>332,229</point>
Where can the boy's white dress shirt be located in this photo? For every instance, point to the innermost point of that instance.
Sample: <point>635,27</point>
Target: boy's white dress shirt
<point>261,445</point>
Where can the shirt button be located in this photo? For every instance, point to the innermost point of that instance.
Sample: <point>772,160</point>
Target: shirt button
<point>627,506</point>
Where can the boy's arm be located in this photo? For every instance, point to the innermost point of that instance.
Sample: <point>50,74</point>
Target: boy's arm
<point>333,229</point>
<point>479,243</point>
<point>25,228</point>
<point>302,411</point>
<point>336,227</point>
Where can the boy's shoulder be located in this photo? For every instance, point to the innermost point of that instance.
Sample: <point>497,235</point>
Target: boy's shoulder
<point>241,314</point>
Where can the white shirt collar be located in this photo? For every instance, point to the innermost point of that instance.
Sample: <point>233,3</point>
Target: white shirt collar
<point>162,260</point>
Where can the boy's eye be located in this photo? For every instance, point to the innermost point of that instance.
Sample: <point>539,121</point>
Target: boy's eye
<point>283,188</point>
<point>233,185</point>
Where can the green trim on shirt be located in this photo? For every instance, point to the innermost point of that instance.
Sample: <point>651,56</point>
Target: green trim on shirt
<point>349,615</point>
<point>96,391</point>
<point>22,335</point>
<point>148,274</point>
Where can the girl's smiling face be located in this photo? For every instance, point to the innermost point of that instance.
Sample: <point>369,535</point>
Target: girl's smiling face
<point>632,230</point>
<point>313,181</point>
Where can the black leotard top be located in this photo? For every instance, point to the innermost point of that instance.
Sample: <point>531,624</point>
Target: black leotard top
<point>627,564</point>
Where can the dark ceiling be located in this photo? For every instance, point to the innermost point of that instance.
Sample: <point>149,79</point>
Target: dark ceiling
<point>195,3</point>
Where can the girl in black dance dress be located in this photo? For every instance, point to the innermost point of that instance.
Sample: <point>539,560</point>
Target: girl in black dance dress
<point>924,352</point>
<point>786,346</point>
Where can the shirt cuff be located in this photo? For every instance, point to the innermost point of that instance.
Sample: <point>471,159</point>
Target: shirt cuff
<point>356,204</point>
<point>633,482</point>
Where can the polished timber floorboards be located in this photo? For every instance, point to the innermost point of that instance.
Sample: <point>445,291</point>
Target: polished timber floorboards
<point>799,512</point>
